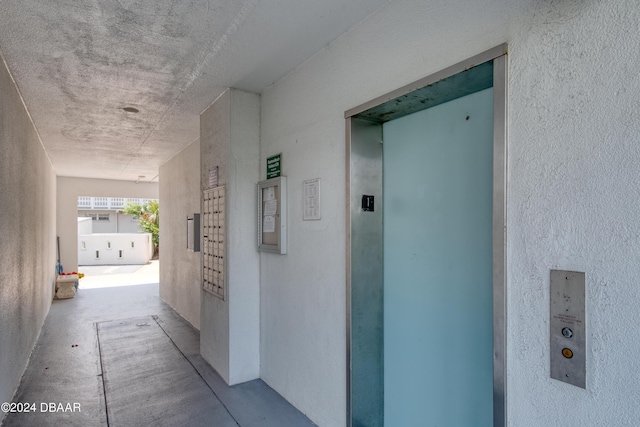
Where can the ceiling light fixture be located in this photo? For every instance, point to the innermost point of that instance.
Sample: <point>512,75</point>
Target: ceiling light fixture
<point>130,109</point>
<point>139,178</point>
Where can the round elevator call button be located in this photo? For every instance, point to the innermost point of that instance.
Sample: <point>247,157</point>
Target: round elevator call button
<point>566,352</point>
<point>567,332</point>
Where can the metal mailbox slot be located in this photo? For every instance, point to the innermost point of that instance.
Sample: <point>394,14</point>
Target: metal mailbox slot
<point>193,233</point>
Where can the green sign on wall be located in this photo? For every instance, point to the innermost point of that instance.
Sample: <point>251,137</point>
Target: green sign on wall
<point>273,166</point>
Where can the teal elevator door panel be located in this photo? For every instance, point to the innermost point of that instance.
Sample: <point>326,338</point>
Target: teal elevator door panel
<point>438,317</point>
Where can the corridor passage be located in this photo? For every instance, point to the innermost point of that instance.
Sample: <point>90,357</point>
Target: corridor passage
<point>119,356</point>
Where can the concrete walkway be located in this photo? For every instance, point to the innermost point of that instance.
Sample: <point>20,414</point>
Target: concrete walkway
<point>119,356</point>
<point>107,276</point>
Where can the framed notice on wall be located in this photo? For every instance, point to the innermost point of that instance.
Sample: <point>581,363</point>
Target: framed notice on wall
<point>272,215</point>
<point>311,196</point>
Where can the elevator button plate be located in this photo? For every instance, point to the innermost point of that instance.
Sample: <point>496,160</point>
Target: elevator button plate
<point>567,327</point>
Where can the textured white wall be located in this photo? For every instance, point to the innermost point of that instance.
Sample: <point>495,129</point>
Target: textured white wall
<point>574,181</point>
<point>572,199</point>
<point>230,331</point>
<point>68,190</point>
<point>180,274</point>
<point>27,235</point>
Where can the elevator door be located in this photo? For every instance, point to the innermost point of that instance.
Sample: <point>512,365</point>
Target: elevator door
<point>437,226</point>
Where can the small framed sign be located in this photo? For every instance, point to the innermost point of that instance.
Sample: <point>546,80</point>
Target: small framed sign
<point>311,195</point>
<point>274,166</point>
<point>213,177</point>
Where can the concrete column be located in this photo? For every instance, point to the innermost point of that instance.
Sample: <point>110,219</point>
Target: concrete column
<point>230,329</point>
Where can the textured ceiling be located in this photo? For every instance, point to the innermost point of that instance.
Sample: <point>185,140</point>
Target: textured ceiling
<point>77,63</point>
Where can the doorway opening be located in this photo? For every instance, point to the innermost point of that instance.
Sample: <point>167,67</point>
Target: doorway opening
<point>117,241</point>
<point>426,261</point>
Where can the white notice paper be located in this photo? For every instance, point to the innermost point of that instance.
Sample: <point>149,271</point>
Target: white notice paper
<point>268,193</point>
<point>213,177</point>
<point>311,209</point>
<point>270,207</point>
<point>269,224</point>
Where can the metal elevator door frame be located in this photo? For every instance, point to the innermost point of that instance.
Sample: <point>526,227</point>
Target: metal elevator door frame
<point>364,176</point>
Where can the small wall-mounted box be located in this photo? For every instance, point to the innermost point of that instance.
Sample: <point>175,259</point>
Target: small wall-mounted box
<point>193,233</point>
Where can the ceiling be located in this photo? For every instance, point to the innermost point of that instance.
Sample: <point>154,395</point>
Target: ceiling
<point>78,63</point>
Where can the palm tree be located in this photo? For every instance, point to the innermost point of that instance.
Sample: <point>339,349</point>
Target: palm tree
<point>148,215</point>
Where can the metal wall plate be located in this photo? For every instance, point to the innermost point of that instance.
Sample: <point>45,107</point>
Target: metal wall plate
<point>568,329</point>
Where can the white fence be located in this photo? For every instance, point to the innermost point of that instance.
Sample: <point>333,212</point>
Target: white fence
<point>114,248</point>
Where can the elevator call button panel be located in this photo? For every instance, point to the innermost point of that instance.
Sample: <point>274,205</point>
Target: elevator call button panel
<point>568,327</point>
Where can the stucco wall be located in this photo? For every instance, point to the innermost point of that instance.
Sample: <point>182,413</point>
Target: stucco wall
<point>572,199</point>
<point>68,190</point>
<point>180,269</point>
<point>230,329</point>
<point>27,235</point>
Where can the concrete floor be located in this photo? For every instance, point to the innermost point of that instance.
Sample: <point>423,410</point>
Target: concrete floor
<point>126,344</point>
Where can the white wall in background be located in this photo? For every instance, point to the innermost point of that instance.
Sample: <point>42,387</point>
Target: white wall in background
<point>114,249</point>
<point>85,226</point>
